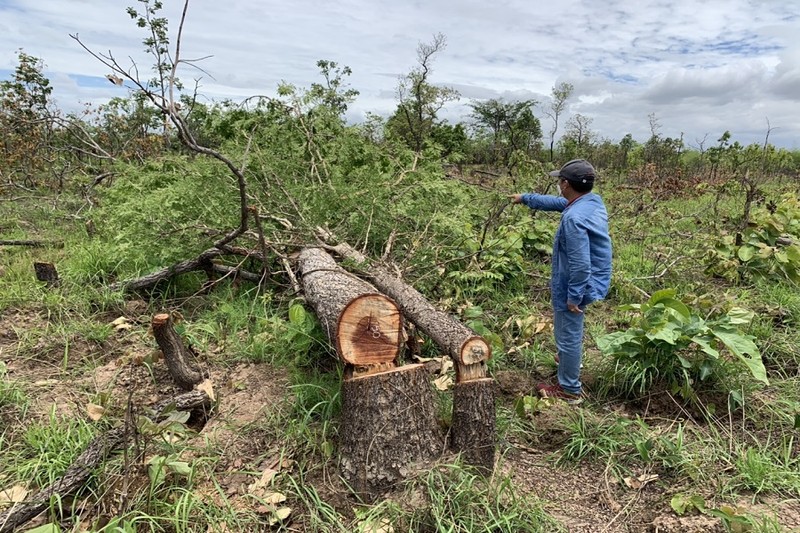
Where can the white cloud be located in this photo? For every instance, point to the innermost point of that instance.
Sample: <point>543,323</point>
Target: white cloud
<point>700,67</point>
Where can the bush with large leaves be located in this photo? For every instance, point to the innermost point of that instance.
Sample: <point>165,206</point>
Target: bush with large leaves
<point>670,343</point>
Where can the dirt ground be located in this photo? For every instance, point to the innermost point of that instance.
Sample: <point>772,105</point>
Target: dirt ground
<point>584,498</point>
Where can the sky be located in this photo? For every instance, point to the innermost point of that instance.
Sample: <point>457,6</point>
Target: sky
<point>698,68</point>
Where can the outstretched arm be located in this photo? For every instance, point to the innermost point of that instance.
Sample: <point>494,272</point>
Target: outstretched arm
<point>542,202</point>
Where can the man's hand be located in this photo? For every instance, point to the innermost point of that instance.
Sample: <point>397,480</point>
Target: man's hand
<point>515,198</point>
<point>574,308</point>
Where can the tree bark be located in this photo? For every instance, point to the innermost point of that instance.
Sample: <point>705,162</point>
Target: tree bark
<point>201,262</point>
<point>47,272</point>
<point>473,407</point>
<point>179,359</point>
<point>472,431</point>
<point>364,326</point>
<point>388,428</point>
<point>468,350</point>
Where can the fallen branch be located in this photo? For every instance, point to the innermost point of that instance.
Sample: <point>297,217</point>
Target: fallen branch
<point>33,244</point>
<point>201,262</point>
<point>81,469</point>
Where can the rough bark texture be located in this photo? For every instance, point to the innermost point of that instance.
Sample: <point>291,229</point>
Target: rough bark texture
<point>468,350</point>
<point>363,325</point>
<point>472,431</point>
<point>201,262</point>
<point>388,428</point>
<point>74,478</point>
<point>180,361</point>
<point>46,272</point>
<point>81,469</point>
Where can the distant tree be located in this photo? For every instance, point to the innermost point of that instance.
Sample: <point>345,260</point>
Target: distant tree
<point>420,100</point>
<point>25,122</point>
<point>511,125</point>
<point>578,137</point>
<point>558,103</point>
<point>452,138</point>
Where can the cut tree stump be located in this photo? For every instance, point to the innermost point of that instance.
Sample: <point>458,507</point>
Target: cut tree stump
<point>473,406</point>
<point>473,432</point>
<point>47,272</point>
<point>388,429</point>
<point>365,327</point>
<point>180,360</point>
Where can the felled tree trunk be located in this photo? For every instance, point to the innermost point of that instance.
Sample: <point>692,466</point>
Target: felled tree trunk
<point>179,359</point>
<point>468,350</point>
<point>47,272</point>
<point>473,426</point>
<point>388,428</point>
<point>365,326</point>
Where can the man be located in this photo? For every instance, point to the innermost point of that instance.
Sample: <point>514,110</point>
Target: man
<point>581,269</point>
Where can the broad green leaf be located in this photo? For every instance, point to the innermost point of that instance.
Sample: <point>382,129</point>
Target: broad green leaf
<point>705,370</point>
<point>743,346</point>
<point>746,253</point>
<point>685,363</point>
<point>681,503</point>
<point>793,253</point>
<point>739,315</point>
<point>613,342</point>
<point>669,333</point>
<point>677,305</point>
<point>660,295</point>
<point>180,467</point>
<point>297,314</point>
<point>704,342</point>
<point>473,312</point>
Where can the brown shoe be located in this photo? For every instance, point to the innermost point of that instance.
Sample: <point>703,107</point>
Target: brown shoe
<point>546,390</point>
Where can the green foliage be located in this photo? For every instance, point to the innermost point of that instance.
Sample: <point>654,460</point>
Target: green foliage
<point>768,248</point>
<point>24,124</point>
<point>507,126</point>
<point>46,449</point>
<point>496,257</point>
<point>670,343</point>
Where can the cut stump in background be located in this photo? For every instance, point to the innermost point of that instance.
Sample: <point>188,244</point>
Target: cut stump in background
<point>388,429</point>
<point>47,272</point>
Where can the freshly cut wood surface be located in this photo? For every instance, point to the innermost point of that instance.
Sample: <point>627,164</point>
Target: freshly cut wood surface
<point>468,350</point>
<point>370,330</point>
<point>364,325</point>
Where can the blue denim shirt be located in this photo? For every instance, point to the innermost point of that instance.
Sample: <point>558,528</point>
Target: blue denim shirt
<point>581,251</point>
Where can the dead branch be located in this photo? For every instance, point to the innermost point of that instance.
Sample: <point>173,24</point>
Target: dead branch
<point>201,262</point>
<point>33,244</point>
<point>93,456</point>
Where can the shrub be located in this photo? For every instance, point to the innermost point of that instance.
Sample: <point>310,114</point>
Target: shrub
<point>669,342</point>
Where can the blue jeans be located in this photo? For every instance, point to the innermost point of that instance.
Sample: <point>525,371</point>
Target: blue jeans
<point>568,332</point>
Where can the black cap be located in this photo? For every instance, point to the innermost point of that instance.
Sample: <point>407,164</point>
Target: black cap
<point>578,170</point>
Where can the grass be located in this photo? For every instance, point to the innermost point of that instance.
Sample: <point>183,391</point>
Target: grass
<point>746,450</point>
